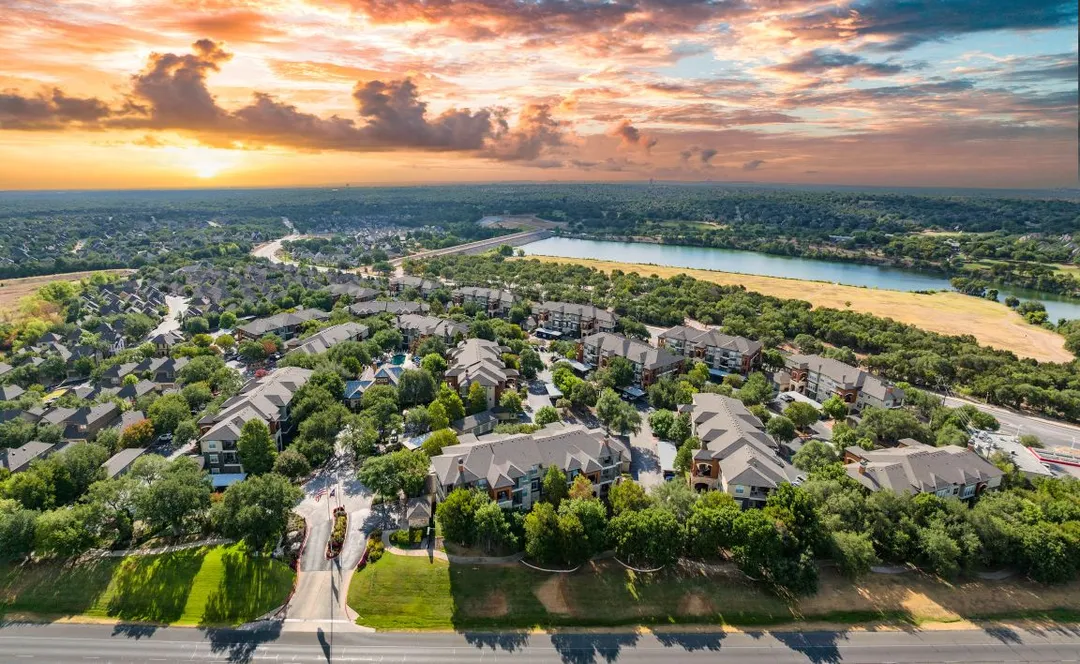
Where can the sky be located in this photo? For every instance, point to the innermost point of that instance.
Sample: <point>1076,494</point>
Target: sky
<point>182,93</point>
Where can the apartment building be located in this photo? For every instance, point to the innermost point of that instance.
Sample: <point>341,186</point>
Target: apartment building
<point>511,468</point>
<point>493,301</point>
<point>737,456</point>
<point>267,399</point>
<point>285,325</point>
<point>479,361</point>
<point>822,377</point>
<point>913,467</point>
<point>415,328</point>
<point>723,353</point>
<point>325,339</point>
<point>364,309</point>
<point>424,286</point>
<point>650,363</point>
<point>573,320</point>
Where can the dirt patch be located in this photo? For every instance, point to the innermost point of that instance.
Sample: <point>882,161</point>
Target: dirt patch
<point>696,604</point>
<point>13,290</point>
<point>494,605</point>
<point>554,594</point>
<point>993,324</point>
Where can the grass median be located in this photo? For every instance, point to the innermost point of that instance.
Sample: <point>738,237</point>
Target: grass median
<point>213,586</point>
<point>413,593</point>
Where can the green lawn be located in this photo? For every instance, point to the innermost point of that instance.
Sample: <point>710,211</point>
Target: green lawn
<point>411,593</point>
<point>204,586</point>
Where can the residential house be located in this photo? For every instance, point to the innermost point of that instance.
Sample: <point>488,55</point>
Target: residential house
<point>163,370</point>
<point>323,340</point>
<point>480,361</point>
<point>403,283</point>
<point>365,309</point>
<point>723,353</point>
<point>140,389</point>
<point>165,341</point>
<point>286,325</point>
<point>5,368</point>
<point>737,456</point>
<point>355,292</point>
<point>492,301</point>
<point>822,377</point>
<point>121,462</point>
<point>387,374</point>
<point>267,399</point>
<point>650,363</point>
<point>511,468</point>
<point>573,320</point>
<point>415,328</point>
<point>115,374</point>
<point>84,423</point>
<point>10,392</point>
<point>18,459</point>
<point>914,467</point>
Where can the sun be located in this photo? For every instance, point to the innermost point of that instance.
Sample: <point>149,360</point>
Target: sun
<point>203,162</point>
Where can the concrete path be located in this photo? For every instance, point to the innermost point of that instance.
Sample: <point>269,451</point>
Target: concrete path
<point>644,456</point>
<point>432,554</point>
<point>177,306</point>
<point>167,549</point>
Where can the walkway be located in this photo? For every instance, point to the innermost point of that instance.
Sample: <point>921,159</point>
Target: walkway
<point>434,554</point>
<point>167,549</point>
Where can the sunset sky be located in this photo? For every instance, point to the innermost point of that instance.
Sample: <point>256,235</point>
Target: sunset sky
<point>179,93</point>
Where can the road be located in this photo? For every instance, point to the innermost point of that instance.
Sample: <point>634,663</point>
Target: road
<point>478,246</point>
<point>1051,432</point>
<point>128,643</point>
<point>177,306</point>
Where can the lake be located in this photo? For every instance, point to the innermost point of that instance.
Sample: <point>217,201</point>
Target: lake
<point>768,265</point>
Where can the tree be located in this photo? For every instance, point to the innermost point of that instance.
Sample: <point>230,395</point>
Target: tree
<point>477,398</point>
<point>590,529</point>
<point>361,436</point>
<point>76,468</point>
<point>853,553</point>
<point>292,464</point>
<point>698,375</point>
<point>781,429</point>
<point>835,407</point>
<point>711,526</point>
<point>511,401</point>
<point>680,429</point>
<point>543,537</point>
<point>621,371</point>
<point>140,434</point>
<point>416,386</point>
<point>185,432</point>
<point>650,536</point>
<point>627,496</point>
<point>553,486</point>
<point>660,422</point>
<point>256,448</point>
<point>531,363</point>
<point>814,456</point>
<point>546,415</point>
<point>493,531</point>
<point>257,510</point>
<point>404,471</point>
<point>32,490</point>
<point>197,395</point>
<point>676,497</point>
<point>167,411</point>
<point>457,515</point>
<point>329,380</point>
<point>437,418</point>
<point>580,488</point>
<point>684,456</point>
<point>227,320</point>
<point>801,414</point>
<point>614,413</point>
<point>65,532</point>
<point>17,526</point>
<point>761,553</point>
<point>583,394</point>
<point>434,364</point>
<point>451,401</point>
<point>434,444</point>
<point>755,390</point>
<point>176,492</point>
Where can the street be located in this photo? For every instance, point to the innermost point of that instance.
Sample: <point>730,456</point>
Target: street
<point>1050,432</point>
<point>130,643</point>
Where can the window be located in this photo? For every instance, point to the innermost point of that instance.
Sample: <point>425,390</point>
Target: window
<point>738,488</point>
<point>213,459</point>
<point>211,445</point>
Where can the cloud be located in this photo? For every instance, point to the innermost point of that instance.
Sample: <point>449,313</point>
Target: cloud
<point>753,165</point>
<point>631,136</point>
<point>535,130</point>
<point>396,117</point>
<point>174,87</point>
<point>821,64</point>
<point>49,111</point>
<point>704,155</point>
<point>895,25</point>
<point>710,115</point>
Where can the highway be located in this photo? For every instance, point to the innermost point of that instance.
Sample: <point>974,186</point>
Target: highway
<point>123,644</point>
<point>1052,433</point>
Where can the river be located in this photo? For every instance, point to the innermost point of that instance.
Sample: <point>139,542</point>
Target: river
<point>768,265</point>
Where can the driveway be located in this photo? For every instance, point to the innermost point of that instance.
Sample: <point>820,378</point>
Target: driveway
<point>177,306</point>
<point>322,585</point>
<point>644,458</point>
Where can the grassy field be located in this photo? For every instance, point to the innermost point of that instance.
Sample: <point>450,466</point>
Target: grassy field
<point>946,312</point>
<point>203,586</point>
<point>414,594</point>
<point>13,290</point>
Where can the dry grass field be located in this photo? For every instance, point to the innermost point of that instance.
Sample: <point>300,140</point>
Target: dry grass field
<point>13,290</point>
<point>947,313</point>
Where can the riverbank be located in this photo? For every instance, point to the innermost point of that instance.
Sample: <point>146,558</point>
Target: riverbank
<point>944,312</point>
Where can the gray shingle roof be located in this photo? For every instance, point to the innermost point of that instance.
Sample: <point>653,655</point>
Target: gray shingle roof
<point>650,357</point>
<point>917,468</point>
<point>257,328</point>
<point>712,337</point>
<point>323,340</point>
<point>586,311</point>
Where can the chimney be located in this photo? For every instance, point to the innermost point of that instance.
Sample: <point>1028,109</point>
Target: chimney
<point>862,466</point>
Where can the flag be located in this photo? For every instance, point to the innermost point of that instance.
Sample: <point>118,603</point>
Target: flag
<point>320,493</point>
<point>333,492</point>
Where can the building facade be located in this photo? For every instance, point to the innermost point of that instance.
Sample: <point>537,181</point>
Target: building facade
<point>650,363</point>
<point>723,353</point>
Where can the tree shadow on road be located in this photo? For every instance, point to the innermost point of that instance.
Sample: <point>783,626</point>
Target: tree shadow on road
<point>584,648</point>
<point>691,641</point>
<point>134,631</point>
<point>818,647</point>
<point>239,645</point>
<point>508,641</point>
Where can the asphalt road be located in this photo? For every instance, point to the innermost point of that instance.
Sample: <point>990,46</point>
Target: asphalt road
<point>1052,433</point>
<point>122,644</point>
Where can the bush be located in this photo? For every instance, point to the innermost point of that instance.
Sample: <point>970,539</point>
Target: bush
<point>375,547</point>
<point>337,536</point>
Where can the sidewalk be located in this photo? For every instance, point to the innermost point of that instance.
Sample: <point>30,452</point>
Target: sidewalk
<point>442,555</point>
<point>167,549</point>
